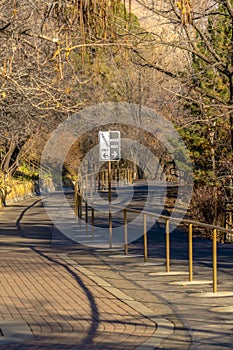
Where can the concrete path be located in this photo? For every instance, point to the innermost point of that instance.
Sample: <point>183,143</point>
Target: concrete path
<point>46,302</point>
<point>55,294</point>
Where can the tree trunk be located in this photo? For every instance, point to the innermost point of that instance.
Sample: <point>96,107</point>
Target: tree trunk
<point>8,158</point>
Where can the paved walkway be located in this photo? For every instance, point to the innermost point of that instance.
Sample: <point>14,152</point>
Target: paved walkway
<point>63,307</point>
<point>55,294</point>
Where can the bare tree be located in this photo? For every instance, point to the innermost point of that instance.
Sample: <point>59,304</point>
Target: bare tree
<point>196,53</point>
<point>49,59</point>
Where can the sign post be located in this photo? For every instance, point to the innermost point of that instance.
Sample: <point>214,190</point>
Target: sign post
<point>109,150</point>
<point>110,201</point>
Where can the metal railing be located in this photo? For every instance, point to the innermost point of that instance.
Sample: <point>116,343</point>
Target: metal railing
<point>83,196</point>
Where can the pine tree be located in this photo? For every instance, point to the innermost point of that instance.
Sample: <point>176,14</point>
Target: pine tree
<point>210,135</point>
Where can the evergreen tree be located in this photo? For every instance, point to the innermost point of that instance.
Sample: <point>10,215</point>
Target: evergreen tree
<point>209,134</point>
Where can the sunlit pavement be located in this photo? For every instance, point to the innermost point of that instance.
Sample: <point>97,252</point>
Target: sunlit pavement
<point>56,294</point>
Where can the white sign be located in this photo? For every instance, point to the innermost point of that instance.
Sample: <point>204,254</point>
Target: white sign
<point>109,145</point>
<point>104,145</point>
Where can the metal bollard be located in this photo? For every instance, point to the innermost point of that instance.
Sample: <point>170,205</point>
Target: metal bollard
<point>92,221</point>
<point>145,238</point>
<point>167,246</point>
<point>215,261</point>
<point>190,252</point>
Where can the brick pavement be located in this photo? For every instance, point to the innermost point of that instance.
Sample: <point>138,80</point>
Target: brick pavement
<point>64,308</point>
<point>75,297</point>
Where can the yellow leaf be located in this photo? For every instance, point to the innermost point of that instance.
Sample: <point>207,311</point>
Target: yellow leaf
<point>3,94</point>
<point>67,53</point>
<point>56,53</point>
<point>68,90</point>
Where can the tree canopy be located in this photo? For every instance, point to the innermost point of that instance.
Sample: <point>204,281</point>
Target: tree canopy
<point>57,57</point>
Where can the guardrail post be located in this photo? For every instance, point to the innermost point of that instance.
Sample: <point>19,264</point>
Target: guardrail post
<point>99,181</point>
<point>110,226</point>
<point>86,187</point>
<point>76,200</point>
<point>91,186</point>
<point>82,188</point>
<point>92,221</point>
<point>214,260</point>
<point>126,231</point>
<point>167,246</point>
<point>80,205</point>
<point>131,176</point>
<point>102,175</point>
<point>145,238</point>
<point>86,211</point>
<point>190,252</point>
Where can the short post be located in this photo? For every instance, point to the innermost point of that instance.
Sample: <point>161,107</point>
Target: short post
<point>86,187</point>
<point>131,176</point>
<point>91,186</point>
<point>126,231</point>
<point>167,246</point>
<point>102,180</point>
<point>121,177</point>
<point>106,180</point>
<point>190,252</point>
<point>86,211</point>
<point>80,204</point>
<point>92,221</point>
<point>82,189</point>
<point>99,181</point>
<point>76,199</point>
<point>145,238</point>
<point>214,260</point>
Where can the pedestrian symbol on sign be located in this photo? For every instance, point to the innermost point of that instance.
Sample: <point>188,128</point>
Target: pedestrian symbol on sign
<point>109,145</point>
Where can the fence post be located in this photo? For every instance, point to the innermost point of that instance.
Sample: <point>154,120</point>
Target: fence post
<point>167,246</point>
<point>80,205</point>
<point>190,252</point>
<point>131,176</point>
<point>75,199</point>
<point>102,176</point>
<point>91,186</point>
<point>145,238</point>
<point>99,181</point>
<point>214,260</point>
<point>110,227</point>
<point>92,221</point>
<point>86,187</point>
<point>86,216</point>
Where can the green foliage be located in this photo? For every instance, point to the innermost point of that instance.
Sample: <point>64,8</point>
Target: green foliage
<point>25,173</point>
<point>208,134</point>
<point>213,76</point>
